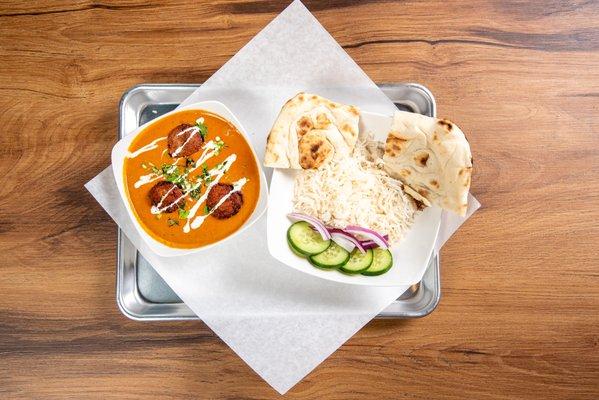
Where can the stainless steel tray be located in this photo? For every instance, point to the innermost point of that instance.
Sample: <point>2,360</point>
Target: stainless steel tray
<point>142,295</point>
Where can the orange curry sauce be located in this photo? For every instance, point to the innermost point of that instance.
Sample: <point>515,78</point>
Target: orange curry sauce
<point>168,228</point>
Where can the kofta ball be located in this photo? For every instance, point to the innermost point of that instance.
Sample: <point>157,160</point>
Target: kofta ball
<point>229,207</point>
<point>172,194</point>
<point>184,140</point>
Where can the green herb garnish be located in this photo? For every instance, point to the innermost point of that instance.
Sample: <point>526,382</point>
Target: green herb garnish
<point>219,145</point>
<point>189,162</point>
<point>172,174</point>
<point>205,176</point>
<point>206,209</point>
<point>203,129</point>
<point>183,213</point>
<point>187,184</point>
<point>172,222</point>
<point>195,193</point>
<point>168,168</point>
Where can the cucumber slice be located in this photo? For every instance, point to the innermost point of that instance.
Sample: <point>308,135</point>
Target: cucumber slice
<point>296,252</point>
<point>304,240</point>
<point>381,263</point>
<point>333,257</point>
<point>358,262</point>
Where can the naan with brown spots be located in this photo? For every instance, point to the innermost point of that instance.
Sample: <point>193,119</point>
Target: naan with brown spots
<point>432,158</point>
<point>309,131</point>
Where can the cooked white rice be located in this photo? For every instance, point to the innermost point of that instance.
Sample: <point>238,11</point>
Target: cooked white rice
<point>355,191</point>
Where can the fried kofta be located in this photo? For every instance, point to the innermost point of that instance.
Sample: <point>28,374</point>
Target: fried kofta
<point>172,194</point>
<point>229,207</point>
<point>184,140</point>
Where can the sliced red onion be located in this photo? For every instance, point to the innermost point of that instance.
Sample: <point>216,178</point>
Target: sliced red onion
<point>319,226</point>
<point>346,240</point>
<point>369,234</point>
<point>343,241</point>
<point>369,244</point>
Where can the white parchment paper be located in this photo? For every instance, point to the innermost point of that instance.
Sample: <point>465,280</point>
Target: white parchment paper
<point>281,322</point>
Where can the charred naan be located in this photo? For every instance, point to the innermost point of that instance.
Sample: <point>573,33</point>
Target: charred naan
<point>309,131</point>
<point>432,158</point>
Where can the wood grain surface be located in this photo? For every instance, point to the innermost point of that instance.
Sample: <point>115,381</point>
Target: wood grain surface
<point>519,316</point>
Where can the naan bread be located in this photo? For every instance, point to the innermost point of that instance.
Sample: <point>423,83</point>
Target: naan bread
<point>432,158</point>
<point>309,131</point>
<point>314,149</point>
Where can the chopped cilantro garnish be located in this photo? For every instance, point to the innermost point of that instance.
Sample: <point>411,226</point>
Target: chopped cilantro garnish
<point>195,193</point>
<point>172,174</point>
<point>156,170</point>
<point>219,145</point>
<point>205,173</point>
<point>203,129</point>
<point>206,209</point>
<point>166,168</point>
<point>189,162</point>
<point>172,178</point>
<point>172,222</point>
<point>183,213</point>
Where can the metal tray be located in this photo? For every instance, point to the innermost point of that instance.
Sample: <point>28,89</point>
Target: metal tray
<point>141,293</point>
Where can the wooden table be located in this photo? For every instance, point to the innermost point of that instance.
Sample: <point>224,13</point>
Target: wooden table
<point>519,317</point>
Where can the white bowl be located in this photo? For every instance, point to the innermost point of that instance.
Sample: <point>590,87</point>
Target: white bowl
<point>410,257</point>
<point>119,152</point>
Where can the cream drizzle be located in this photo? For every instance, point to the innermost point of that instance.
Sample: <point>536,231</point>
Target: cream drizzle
<point>236,188</point>
<point>147,147</point>
<point>206,155</point>
<point>146,179</point>
<point>226,164</point>
<point>210,149</point>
